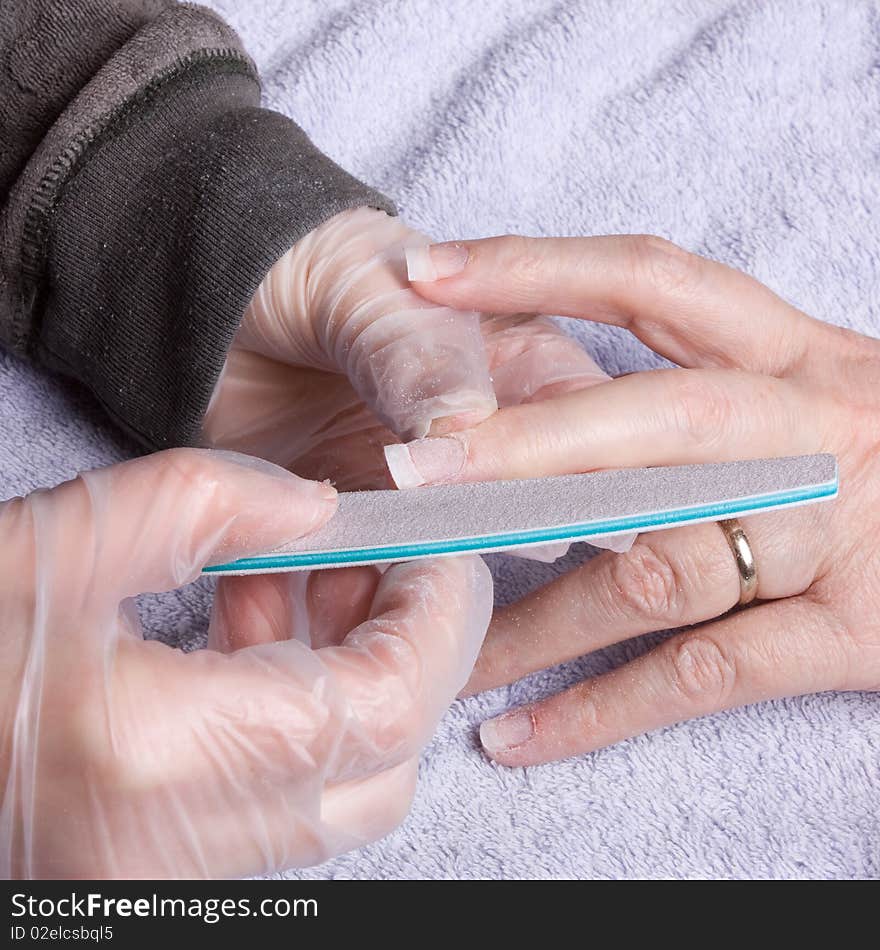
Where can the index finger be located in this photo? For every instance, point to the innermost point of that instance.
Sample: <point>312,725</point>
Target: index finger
<point>691,310</point>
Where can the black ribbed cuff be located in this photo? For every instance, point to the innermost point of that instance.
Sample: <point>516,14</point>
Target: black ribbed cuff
<point>151,243</point>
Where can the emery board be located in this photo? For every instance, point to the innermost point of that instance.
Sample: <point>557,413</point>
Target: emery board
<point>372,527</point>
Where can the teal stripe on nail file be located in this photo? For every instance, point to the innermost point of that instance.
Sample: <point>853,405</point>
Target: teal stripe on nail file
<point>482,517</point>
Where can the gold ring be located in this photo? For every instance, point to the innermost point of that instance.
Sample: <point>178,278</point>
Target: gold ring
<point>745,559</point>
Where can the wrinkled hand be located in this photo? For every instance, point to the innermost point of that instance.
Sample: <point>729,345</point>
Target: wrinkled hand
<point>337,357</point>
<point>126,758</point>
<point>760,379</point>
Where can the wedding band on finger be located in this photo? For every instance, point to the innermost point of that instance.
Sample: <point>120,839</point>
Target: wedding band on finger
<point>744,557</point>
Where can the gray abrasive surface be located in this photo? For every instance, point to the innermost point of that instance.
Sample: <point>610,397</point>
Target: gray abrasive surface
<point>508,511</point>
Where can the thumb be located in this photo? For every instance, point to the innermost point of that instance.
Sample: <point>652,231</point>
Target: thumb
<point>152,524</point>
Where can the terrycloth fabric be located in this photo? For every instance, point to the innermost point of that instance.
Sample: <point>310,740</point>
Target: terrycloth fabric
<point>747,131</point>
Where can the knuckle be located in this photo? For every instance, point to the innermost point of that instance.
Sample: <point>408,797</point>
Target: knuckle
<point>701,671</point>
<point>588,712</point>
<point>664,266</point>
<point>190,471</point>
<point>705,411</point>
<point>526,265</point>
<point>506,443</point>
<point>848,656</point>
<point>647,584</point>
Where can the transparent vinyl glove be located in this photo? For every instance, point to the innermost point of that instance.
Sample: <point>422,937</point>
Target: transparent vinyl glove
<point>337,357</point>
<point>293,737</point>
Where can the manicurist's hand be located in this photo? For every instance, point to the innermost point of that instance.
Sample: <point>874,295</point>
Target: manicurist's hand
<point>293,737</point>
<point>337,356</point>
<point>759,378</point>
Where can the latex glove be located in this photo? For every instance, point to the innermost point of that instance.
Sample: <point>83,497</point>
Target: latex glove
<point>125,757</point>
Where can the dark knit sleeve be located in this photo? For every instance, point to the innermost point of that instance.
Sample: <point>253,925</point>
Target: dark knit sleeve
<point>145,195</point>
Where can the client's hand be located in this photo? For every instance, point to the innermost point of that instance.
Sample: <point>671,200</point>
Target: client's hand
<point>762,379</point>
<point>124,757</point>
<point>337,356</point>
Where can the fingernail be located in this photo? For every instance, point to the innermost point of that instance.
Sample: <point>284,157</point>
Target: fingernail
<point>507,732</point>
<point>619,543</point>
<point>253,463</point>
<point>322,496</point>
<point>444,425</point>
<point>435,261</point>
<point>425,461</point>
<point>325,490</point>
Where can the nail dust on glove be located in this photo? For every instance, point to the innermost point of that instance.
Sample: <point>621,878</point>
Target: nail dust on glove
<point>293,739</point>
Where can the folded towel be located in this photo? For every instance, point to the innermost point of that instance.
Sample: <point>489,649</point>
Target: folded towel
<point>747,131</point>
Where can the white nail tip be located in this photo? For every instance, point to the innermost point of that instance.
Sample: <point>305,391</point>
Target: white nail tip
<point>489,738</point>
<point>400,465</point>
<point>419,265</point>
<point>619,543</point>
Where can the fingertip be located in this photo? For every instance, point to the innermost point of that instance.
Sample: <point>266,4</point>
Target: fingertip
<point>304,506</point>
<point>324,495</point>
<point>263,508</point>
<point>433,262</point>
<point>618,543</point>
<point>403,471</point>
<point>542,553</point>
<point>426,461</point>
<point>505,737</point>
<point>481,568</point>
<point>320,492</point>
<point>483,596</point>
<point>328,491</point>
<point>418,264</point>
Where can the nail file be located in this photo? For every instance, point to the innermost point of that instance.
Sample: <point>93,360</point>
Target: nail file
<point>372,527</point>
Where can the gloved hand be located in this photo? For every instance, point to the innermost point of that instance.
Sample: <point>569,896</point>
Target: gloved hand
<point>337,357</point>
<point>125,757</point>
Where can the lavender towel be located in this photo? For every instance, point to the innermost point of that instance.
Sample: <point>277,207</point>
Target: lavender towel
<point>747,131</point>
